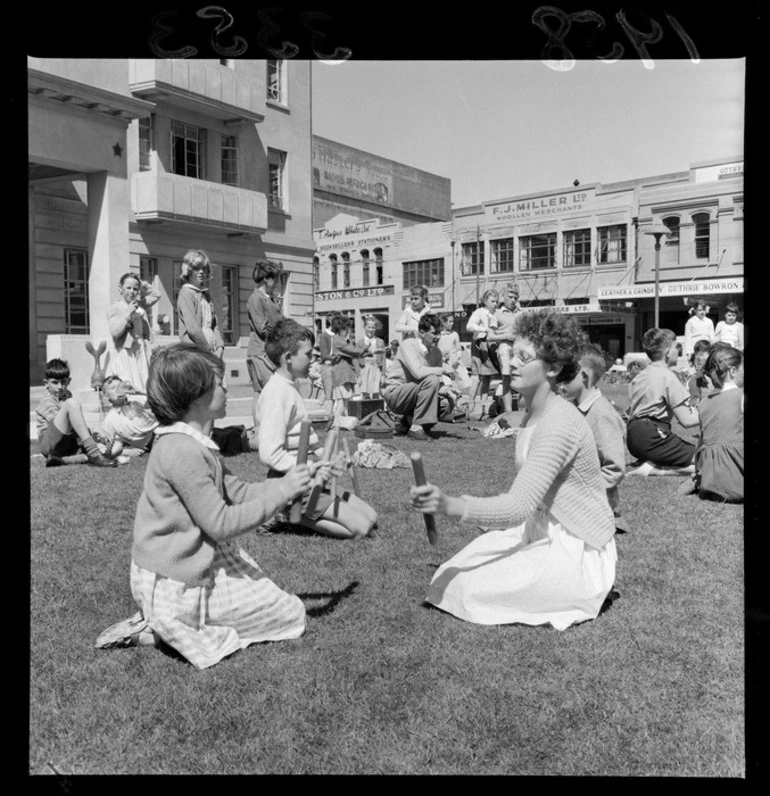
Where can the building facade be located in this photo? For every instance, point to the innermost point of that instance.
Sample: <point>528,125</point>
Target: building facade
<point>133,162</point>
<point>583,250</point>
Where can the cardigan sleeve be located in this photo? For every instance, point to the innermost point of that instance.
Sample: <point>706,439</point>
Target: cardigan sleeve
<point>553,445</point>
<point>406,323</point>
<point>149,294</point>
<point>188,311</point>
<point>608,432</point>
<point>476,322</point>
<point>118,320</point>
<point>196,485</point>
<point>240,491</point>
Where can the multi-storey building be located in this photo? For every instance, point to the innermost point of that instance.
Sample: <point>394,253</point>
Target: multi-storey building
<point>133,162</point>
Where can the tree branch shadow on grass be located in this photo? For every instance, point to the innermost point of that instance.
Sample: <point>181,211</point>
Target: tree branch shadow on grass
<point>334,599</point>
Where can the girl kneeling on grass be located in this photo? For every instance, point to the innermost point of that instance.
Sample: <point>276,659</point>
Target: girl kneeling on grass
<point>197,590</point>
<point>555,559</point>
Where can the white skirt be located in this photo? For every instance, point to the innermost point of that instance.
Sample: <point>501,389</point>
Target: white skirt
<point>240,606</point>
<point>536,573</point>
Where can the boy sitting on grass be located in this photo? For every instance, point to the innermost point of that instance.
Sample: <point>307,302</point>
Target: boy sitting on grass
<point>129,426</point>
<point>280,411</point>
<point>61,427</point>
<point>607,426</point>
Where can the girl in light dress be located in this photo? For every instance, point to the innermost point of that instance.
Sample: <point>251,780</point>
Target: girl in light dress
<point>483,364</point>
<point>730,330</point>
<point>698,327</point>
<point>197,590</point>
<point>547,553</point>
<point>372,359</point>
<point>130,330</point>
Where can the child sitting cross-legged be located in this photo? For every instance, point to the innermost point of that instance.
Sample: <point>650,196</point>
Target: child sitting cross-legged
<point>129,427</point>
<point>197,590</point>
<point>61,427</point>
<point>605,422</point>
<point>280,411</point>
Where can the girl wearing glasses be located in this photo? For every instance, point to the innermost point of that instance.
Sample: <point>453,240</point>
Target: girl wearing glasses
<point>548,552</point>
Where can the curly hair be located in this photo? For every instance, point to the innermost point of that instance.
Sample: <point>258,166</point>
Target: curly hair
<point>557,338</point>
<point>720,359</point>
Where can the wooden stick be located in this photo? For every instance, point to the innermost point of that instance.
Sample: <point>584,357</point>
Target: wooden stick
<point>330,442</point>
<point>304,439</point>
<point>333,488</point>
<point>353,473</point>
<point>420,480</point>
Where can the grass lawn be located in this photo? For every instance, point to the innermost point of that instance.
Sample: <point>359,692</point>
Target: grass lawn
<point>380,683</point>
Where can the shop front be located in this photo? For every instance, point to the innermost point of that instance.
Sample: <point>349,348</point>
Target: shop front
<point>610,328</point>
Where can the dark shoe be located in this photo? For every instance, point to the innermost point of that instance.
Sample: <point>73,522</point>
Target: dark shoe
<point>54,461</point>
<point>402,428</point>
<point>97,460</point>
<point>417,433</point>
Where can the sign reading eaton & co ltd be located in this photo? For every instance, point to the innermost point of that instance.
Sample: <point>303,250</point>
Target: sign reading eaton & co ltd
<point>354,293</point>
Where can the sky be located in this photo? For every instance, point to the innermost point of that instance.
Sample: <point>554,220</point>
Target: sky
<point>504,128</point>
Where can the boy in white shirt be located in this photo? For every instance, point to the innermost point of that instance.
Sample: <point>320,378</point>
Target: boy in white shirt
<point>129,426</point>
<point>280,411</point>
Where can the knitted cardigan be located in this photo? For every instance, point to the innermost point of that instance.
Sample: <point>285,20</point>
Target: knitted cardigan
<point>191,503</point>
<point>562,473</point>
<point>188,304</point>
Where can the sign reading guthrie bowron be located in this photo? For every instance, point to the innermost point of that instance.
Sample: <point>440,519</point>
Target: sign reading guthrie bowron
<point>354,293</point>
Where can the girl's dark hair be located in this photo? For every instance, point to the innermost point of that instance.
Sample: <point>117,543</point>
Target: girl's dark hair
<point>700,345</point>
<point>264,269</point>
<point>339,323</point>
<point>721,357</point>
<point>285,338</point>
<point>732,307</point>
<point>179,374</point>
<point>558,339</point>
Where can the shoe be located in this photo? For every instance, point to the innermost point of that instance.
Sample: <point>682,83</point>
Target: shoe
<point>687,487</point>
<point>417,433</point>
<point>644,469</point>
<point>402,429</point>
<point>54,461</point>
<point>98,460</point>
<point>122,634</point>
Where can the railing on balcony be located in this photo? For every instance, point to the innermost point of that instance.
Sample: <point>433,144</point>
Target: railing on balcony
<point>172,197</point>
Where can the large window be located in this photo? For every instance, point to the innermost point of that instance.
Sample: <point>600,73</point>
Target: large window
<point>702,235</point>
<point>538,251</point>
<point>229,303</point>
<point>335,270</point>
<point>276,161</point>
<point>672,239</point>
<point>473,258</point>
<point>577,248</point>
<point>424,272</point>
<point>145,144</point>
<point>187,150</point>
<point>276,80</point>
<point>379,266</point>
<point>345,269</point>
<point>76,291</point>
<point>229,160</point>
<point>612,244</point>
<point>365,266</point>
<point>502,255</point>
<point>148,269</point>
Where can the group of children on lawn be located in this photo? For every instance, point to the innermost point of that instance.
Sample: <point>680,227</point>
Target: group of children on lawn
<point>547,553</point>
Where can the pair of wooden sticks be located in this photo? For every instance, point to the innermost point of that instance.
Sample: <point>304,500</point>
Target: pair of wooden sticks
<point>331,446</point>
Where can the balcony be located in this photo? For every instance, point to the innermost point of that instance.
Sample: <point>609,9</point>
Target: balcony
<point>200,86</point>
<point>157,197</point>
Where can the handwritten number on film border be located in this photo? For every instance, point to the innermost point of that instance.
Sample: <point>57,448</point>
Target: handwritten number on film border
<point>269,28</point>
<point>555,44</point>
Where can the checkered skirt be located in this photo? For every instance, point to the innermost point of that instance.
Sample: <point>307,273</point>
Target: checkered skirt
<point>238,607</point>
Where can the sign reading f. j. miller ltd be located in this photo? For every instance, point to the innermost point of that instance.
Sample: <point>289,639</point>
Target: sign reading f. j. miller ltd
<point>536,207</point>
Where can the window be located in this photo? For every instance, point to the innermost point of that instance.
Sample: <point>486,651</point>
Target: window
<point>672,239</point>
<point>76,273</point>
<point>187,150</point>
<point>473,258</point>
<point>502,255</point>
<point>581,300</point>
<point>335,270</point>
<point>276,164</point>
<point>229,303</point>
<point>612,244</point>
<point>228,62</point>
<point>702,234</point>
<point>276,80</point>
<point>379,266</point>
<point>145,144</point>
<point>345,269</point>
<point>424,272</point>
<point>577,248</point>
<point>538,251</point>
<point>316,273</point>
<point>229,160</point>
<point>365,264</point>
<point>148,269</point>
